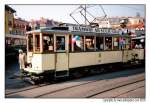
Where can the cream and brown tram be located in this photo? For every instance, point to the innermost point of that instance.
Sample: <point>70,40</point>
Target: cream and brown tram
<point>58,50</point>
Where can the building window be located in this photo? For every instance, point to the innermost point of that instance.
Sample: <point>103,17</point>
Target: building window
<point>16,42</point>
<point>89,43</point>
<point>10,32</point>
<point>78,42</point>
<point>48,43</point>
<point>10,23</point>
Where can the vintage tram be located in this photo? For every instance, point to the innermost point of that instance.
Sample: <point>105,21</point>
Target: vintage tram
<point>56,51</point>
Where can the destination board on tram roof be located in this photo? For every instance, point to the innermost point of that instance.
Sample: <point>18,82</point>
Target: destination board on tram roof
<point>94,30</point>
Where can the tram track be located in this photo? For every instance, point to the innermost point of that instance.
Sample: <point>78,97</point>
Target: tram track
<point>129,91</point>
<point>24,89</point>
<point>116,92</point>
<point>12,93</point>
<point>40,85</point>
<point>88,89</point>
<point>54,88</point>
<point>121,86</point>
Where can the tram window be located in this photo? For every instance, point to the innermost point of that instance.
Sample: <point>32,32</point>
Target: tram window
<point>138,43</point>
<point>89,43</point>
<point>116,43</point>
<point>70,43</point>
<point>48,43</point>
<point>99,43</point>
<point>60,43</point>
<point>122,43</point>
<point>37,42</point>
<point>78,43</point>
<point>108,43</point>
<point>30,43</point>
<point>127,43</point>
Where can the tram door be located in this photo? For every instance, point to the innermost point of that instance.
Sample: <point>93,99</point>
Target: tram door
<point>62,55</point>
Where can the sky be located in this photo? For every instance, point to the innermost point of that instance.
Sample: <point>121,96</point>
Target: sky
<point>62,12</point>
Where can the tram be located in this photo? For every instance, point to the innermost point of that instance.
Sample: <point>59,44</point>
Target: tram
<point>138,44</point>
<point>58,50</point>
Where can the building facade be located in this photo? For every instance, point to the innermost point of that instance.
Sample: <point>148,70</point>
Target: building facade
<point>9,19</point>
<point>15,29</point>
<point>133,24</point>
<point>19,31</point>
<point>43,22</point>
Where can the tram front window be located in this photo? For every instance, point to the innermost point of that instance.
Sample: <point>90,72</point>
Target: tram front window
<point>48,43</point>
<point>37,43</point>
<point>60,43</point>
<point>30,43</point>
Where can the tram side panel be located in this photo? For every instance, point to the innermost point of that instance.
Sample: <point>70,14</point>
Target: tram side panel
<point>41,63</point>
<point>94,58</point>
<point>48,62</point>
<point>82,59</point>
<point>61,61</point>
<point>126,55</point>
<point>140,53</point>
<point>36,64</point>
<point>111,57</point>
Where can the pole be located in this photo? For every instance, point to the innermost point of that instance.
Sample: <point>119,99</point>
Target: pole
<point>85,14</point>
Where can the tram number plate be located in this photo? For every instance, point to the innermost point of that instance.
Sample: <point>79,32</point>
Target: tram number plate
<point>99,55</point>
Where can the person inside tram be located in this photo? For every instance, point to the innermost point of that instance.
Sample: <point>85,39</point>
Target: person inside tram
<point>50,47</point>
<point>138,46</point>
<point>108,43</point>
<point>46,45</point>
<point>101,46</point>
<point>106,47</point>
<point>89,45</point>
<point>78,44</point>
<point>60,43</point>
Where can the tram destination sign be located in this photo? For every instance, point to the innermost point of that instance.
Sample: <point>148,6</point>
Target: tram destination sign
<point>94,30</point>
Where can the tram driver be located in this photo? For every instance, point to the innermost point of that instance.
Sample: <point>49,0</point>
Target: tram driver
<point>60,43</point>
<point>48,43</point>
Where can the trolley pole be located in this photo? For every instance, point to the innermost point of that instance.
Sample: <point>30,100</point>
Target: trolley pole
<point>85,14</point>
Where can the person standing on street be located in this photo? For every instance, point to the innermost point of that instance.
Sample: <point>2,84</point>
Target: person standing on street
<point>21,62</point>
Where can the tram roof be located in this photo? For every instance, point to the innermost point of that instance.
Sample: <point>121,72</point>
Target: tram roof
<point>140,37</point>
<point>66,30</point>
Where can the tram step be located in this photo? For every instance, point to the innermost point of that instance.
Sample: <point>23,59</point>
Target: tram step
<point>59,74</point>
